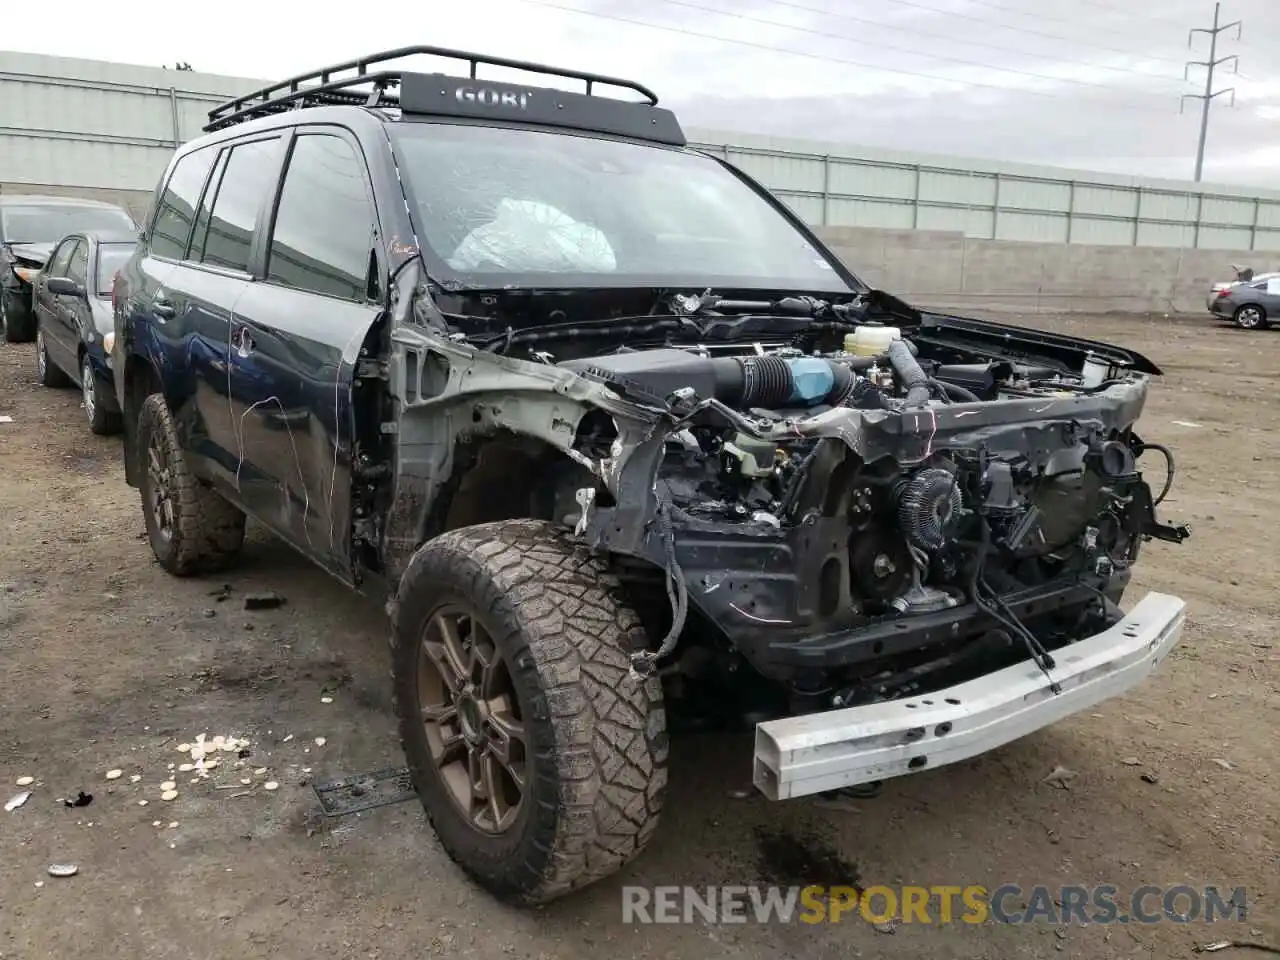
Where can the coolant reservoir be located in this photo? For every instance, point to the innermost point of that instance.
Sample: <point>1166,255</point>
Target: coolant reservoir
<point>870,341</point>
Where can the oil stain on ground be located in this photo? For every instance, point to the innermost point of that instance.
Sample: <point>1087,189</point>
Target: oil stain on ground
<point>788,860</point>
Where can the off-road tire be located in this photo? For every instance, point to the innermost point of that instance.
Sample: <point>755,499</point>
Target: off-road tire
<point>597,737</point>
<point>47,372</point>
<point>208,532</point>
<point>18,322</point>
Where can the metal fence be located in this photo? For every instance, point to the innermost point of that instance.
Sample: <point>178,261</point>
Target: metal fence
<point>832,190</point>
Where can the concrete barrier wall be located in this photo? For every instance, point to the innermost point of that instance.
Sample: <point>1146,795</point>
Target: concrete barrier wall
<point>943,269</point>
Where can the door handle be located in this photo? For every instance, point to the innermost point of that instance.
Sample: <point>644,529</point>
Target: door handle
<point>242,340</point>
<point>162,308</point>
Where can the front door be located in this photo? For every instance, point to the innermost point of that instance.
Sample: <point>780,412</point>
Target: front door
<point>47,306</point>
<point>295,342</point>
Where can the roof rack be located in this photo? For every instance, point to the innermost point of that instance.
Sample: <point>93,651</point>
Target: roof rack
<point>292,94</point>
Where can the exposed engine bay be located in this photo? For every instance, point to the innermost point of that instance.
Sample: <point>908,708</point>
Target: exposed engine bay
<point>861,508</point>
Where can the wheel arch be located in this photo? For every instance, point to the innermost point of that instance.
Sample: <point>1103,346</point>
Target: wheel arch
<point>141,380</point>
<point>502,474</point>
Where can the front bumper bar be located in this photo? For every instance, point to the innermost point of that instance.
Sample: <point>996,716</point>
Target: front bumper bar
<point>798,756</point>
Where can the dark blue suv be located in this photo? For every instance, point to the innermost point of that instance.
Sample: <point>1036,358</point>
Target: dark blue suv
<point>614,432</point>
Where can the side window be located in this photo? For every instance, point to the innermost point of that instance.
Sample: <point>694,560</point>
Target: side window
<point>78,269</point>
<point>250,173</point>
<point>324,225</point>
<point>178,202</point>
<point>61,258</point>
<point>201,231</point>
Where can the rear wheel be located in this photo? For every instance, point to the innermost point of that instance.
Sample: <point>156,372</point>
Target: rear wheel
<point>48,373</point>
<point>101,420</point>
<point>540,761</point>
<point>191,528</point>
<point>1251,317</point>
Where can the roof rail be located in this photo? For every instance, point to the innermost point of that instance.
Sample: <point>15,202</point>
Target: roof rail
<point>331,90</point>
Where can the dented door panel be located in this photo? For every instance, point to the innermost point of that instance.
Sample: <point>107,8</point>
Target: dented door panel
<point>292,364</point>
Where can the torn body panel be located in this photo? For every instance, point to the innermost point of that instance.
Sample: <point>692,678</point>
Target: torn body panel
<point>453,398</point>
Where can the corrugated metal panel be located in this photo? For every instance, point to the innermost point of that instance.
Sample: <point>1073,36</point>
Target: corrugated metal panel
<point>95,125</point>
<point>990,200</point>
<point>1035,227</point>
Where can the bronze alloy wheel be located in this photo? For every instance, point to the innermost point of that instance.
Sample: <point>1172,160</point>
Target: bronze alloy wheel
<point>159,487</point>
<point>472,720</point>
<point>192,529</point>
<point>540,762</point>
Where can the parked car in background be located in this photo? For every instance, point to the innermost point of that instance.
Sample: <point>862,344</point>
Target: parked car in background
<point>74,324</point>
<point>1217,289</point>
<point>1250,305</point>
<point>30,226</point>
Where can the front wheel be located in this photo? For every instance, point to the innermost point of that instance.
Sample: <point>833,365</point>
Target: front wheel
<point>1251,317</point>
<point>191,528</point>
<point>540,761</point>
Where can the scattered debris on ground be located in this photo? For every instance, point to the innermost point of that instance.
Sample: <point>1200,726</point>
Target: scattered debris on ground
<point>1060,777</point>
<point>263,601</point>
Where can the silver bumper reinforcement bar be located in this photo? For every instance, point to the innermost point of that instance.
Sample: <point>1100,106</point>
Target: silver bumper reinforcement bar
<point>798,756</point>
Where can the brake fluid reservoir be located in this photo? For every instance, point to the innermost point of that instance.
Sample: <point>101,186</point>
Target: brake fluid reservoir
<point>870,341</point>
<point>1094,371</point>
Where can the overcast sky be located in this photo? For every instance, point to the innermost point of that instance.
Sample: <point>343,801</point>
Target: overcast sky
<point>1081,83</point>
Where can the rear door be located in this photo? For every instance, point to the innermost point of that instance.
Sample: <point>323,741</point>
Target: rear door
<point>154,320</point>
<point>210,282</point>
<point>297,336</point>
<point>72,312</point>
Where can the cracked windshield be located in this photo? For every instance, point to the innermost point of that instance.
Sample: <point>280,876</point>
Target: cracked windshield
<point>497,205</point>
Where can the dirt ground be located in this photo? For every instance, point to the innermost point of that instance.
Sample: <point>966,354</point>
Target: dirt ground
<point>107,663</point>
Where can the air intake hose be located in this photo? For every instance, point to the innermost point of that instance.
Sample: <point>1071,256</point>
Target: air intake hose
<point>781,381</point>
<point>909,374</point>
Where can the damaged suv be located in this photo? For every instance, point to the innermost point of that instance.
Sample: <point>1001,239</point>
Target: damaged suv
<point>620,440</point>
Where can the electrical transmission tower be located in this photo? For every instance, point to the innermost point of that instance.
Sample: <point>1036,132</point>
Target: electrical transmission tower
<point>1211,65</point>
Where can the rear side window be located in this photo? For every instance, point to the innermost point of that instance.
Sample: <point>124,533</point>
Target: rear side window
<point>178,203</point>
<point>201,231</point>
<point>78,269</point>
<point>324,225</point>
<point>248,176</point>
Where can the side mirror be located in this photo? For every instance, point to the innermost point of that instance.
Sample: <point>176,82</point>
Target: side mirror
<point>62,286</point>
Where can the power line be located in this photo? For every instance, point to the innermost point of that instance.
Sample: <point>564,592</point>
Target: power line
<point>972,43</point>
<point>1148,16</point>
<point>1211,64</point>
<point>749,18</point>
<point>550,4</point>
<point>1028,30</point>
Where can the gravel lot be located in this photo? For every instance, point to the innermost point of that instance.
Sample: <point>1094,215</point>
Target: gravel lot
<point>106,663</point>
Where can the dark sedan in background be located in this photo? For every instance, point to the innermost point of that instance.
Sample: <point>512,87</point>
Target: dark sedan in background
<point>1252,305</point>
<point>30,225</point>
<point>74,326</point>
